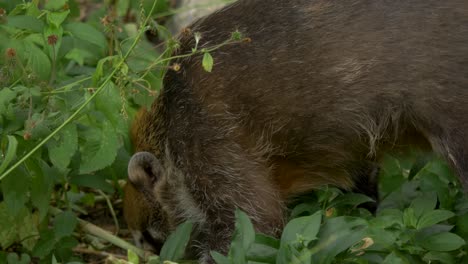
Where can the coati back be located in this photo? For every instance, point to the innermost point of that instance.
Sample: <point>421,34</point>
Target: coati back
<point>322,90</point>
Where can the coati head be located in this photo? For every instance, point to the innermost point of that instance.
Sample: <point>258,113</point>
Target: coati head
<point>142,212</point>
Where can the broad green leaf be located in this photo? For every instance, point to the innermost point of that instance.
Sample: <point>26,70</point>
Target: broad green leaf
<point>38,61</point>
<point>393,258</point>
<point>264,249</point>
<point>64,248</point>
<point>109,102</point>
<point>300,230</point>
<point>88,33</point>
<point>26,22</point>
<point>6,96</point>
<point>10,153</point>
<point>462,225</point>
<point>100,151</point>
<point>219,258</point>
<point>64,224</point>
<point>15,189</point>
<point>424,204</point>
<point>443,242</point>
<point>57,18</point>
<point>132,257</point>
<point>13,258</point>
<point>8,233</point>
<point>45,245</point>
<point>92,181</point>
<point>28,230</point>
<point>78,55</point>
<point>306,208</point>
<point>122,7</point>
<point>353,199</point>
<point>443,257</point>
<point>433,217</point>
<point>337,235</point>
<point>244,230</point>
<point>153,260</point>
<point>409,217</point>
<point>42,183</point>
<point>207,62</point>
<point>62,149</point>
<point>306,226</point>
<point>243,237</point>
<point>174,247</point>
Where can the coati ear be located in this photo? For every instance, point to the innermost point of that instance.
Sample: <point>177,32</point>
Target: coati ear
<point>144,170</point>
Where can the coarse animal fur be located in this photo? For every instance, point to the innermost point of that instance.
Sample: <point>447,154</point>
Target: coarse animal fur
<point>321,91</point>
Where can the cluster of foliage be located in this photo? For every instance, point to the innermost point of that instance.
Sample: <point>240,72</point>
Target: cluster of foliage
<point>68,90</point>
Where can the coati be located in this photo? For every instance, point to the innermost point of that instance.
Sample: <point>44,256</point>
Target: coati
<point>320,92</point>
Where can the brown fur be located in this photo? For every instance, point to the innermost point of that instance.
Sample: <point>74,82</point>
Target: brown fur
<point>322,90</point>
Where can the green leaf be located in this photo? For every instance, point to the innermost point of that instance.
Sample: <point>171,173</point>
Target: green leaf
<point>27,227</point>
<point>92,181</point>
<point>64,224</point>
<point>207,62</point>
<point>122,7</point>
<point>61,150</point>
<point>243,237</point>
<point>26,22</point>
<point>244,230</point>
<point>57,18</point>
<point>78,55</point>
<point>219,258</point>
<point>264,249</point>
<point>6,96</point>
<point>45,245</point>
<point>306,226</point>
<point>37,60</point>
<point>42,183</point>
<point>409,217</point>
<point>443,242</point>
<point>433,217</point>
<point>353,199</point>
<point>337,235</point>
<point>99,151</point>
<point>10,153</point>
<point>424,204</point>
<point>300,231</point>
<point>64,249</point>
<point>107,102</point>
<point>12,258</point>
<point>87,33</point>
<point>442,257</point>
<point>132,257</point>
<point>15,189</point>
<point>393,258</point>
<point>174,247</point>
<point>8,232</point>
